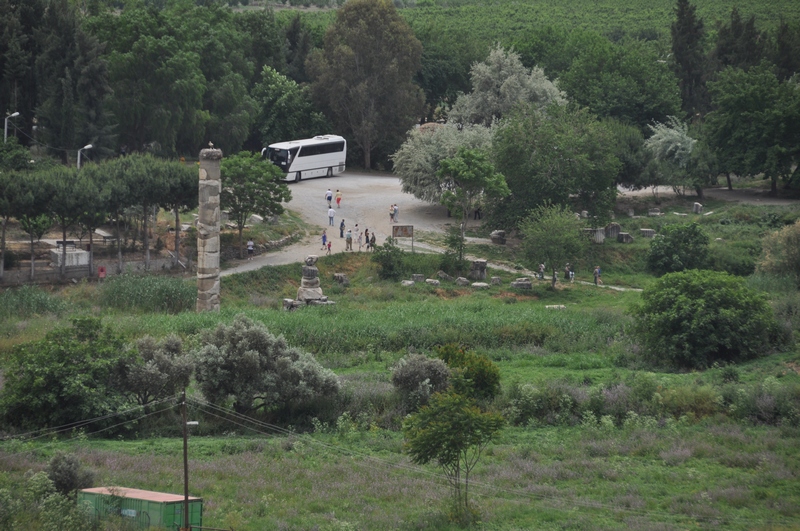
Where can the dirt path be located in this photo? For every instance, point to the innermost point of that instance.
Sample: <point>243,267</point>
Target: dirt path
<point>366,198</point>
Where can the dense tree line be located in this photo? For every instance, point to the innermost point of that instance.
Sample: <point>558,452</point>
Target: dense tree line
<point>569,112</point>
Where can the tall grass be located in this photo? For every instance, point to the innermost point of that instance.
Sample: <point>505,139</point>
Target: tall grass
<point>151,293</point>
<point>26,301</point>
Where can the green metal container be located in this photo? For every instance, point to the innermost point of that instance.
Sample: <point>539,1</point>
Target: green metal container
<point>143,507</point>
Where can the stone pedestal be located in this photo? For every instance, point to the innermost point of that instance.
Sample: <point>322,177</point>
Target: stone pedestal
<point>478,270</point>
<point>647,233</point>
<point>596,235</point>
<point>309,289</point>
<point>654,212</point>
<point>208,226</point>
<point>697,208</point>
<point>522,283</point>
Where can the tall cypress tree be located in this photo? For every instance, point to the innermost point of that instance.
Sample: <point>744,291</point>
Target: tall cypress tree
<point>787,49</point>
<point>689,59</point>
<point>739,43</point>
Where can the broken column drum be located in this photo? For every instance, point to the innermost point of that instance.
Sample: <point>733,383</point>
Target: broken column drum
<point>208,227</point>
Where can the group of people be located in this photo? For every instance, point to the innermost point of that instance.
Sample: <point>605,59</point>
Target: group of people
<point>362,238</point>
<point>393,210</point>
<point>569,273</point>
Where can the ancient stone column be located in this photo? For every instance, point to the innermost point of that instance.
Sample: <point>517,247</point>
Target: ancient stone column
<point>208,226</point>
<point>309,289</point>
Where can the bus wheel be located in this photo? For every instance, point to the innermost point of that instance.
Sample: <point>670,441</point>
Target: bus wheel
<point>330,172</point>
<point>297,177</point>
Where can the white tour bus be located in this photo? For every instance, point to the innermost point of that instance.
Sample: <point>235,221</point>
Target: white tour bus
<point>313,157</point>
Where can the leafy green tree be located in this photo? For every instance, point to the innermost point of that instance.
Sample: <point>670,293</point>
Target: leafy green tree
<point>157,80</point>
<point>753,108</point>
<point>671,147</point>
<point>285,109</point>
<point>72,83</point>
<point>112,179</point>
<point>13,160</point>
<point>181,196</point>
<point>472,178</point>
<point>298,44</point>
<point>499,84</point>
<point>69,193</point>
<point>363,76</point>
<point>417,161</point>
<point>634,157</point>
<point>626,81</point>
<point>551,234</point>
<point>258,371</point>
<point>19,49</point>
<point>445,64</point>
<point>263,42</point>
<point>689,59</point>
<point>160,370</point>
<point>31,206</point>
<point>65,378</point>
<point>551,156</point>
<point>693,319</point>
<point>95,201</point>
<point>678,247</point>
<point>454,432</point>
<point>147,183</point>
<point>251,186</point>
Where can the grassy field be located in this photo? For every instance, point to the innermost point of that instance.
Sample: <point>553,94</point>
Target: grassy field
<point>597,439</point>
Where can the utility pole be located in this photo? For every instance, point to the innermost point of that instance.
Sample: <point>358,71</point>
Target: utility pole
<point>186,526</point>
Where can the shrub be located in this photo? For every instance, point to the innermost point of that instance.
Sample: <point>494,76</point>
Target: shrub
<point>477,375</point>
<point>677,248</point>
<point>555,403</point>
<point>389,258</point>
<point>781,251</point>
<point>65,471</point>
<point>417,377</point>
<point>245,362</point>
<point>148,293</point>
<point>695,318</point>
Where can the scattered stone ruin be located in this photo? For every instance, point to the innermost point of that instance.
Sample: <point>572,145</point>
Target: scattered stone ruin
<point>310,292</point>
<point>478,270</point>
<point>208,227</point>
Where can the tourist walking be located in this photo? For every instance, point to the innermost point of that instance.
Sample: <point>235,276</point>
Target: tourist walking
<point>396,210</point>
<point>597,280</point>
<point>391,213</point>
<point>338,198</point>
<point>329,249</point>
<point>360,240</point>
<point>341,229</point>
<point>329,197</point>
<point>372,242</point>
<point>366,238</point>
<point>331,214</point>
<point>348,240</point>
<point>541,271</point>
<point>250,249</point>
<point>324,238</point>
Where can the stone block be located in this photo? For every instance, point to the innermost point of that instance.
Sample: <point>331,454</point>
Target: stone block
<point>654,212</point>
<point>310,272</point>
<point>612,230</point>
<point>624,237</point>
<point>477,270</point>
<point>522,283</point>
<point>498,237</point>
<point>480,285</point>
<point>496,281</point>
<point>308,294</point>
<point>418,278</point>
<point>461,281</point>
<point>585,214</point>
<point>556,307</point>
<point>681,214</point>
<point>309,283</point>
<point>697,208</point>
<point>341,278</point>
<point>444,276</point>
<point>647,233</point>
<point>431,282</point>
<point>407,283</point>
<point>596,235</point>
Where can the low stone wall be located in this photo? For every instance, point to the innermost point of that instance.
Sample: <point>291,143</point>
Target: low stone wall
<point>52,275</point>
